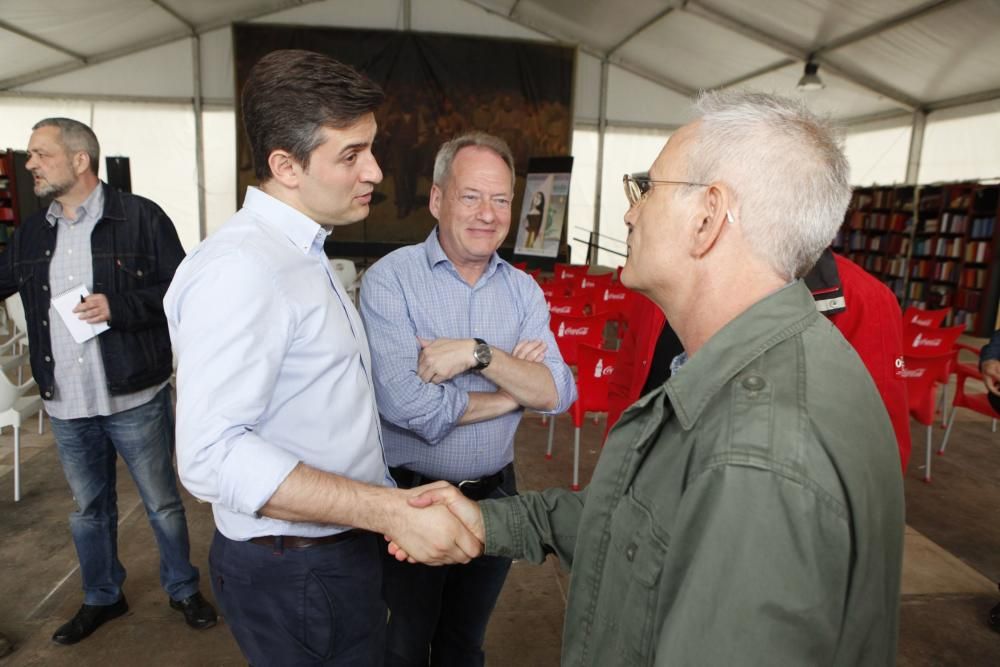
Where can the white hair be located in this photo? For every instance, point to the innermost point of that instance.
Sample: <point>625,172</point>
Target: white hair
<point>785,166</point>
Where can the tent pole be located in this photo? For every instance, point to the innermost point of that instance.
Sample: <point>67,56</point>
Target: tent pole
<point>199,138</point>
<point>602,126</point>
<point>916,146</point>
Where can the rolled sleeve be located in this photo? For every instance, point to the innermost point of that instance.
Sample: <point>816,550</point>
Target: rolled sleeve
<point>230,327</point>
<point>429,410</point>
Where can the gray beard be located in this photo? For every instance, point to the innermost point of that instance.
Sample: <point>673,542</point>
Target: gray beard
<point>54,190</point>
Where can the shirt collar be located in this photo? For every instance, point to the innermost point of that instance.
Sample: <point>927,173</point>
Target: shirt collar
<point>436,254</point>
<point>770,321</point>
<point>303,232</point>
<point>92,207</point>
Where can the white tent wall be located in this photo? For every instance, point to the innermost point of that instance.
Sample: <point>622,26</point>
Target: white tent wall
<point>141,101</point>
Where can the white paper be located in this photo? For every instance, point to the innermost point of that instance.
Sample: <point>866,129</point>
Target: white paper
<point>64,305</point>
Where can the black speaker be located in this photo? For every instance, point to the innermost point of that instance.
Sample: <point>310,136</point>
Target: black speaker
<point>118,173</point>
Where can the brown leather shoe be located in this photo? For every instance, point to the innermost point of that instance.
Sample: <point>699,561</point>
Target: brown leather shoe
<point>198,612</point>
<point>88,619</point>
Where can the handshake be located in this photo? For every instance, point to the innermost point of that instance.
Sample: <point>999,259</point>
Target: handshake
<point>436,525</point>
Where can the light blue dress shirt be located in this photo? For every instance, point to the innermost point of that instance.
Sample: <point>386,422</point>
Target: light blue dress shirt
<point>417,292</point>
<point>273,368</point>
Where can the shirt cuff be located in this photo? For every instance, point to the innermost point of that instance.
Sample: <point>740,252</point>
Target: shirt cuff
<point>252,472</point>
<point>503,524</point>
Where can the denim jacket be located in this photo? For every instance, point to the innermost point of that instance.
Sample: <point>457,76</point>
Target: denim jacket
<point>748,512</point>
<point>135,253</point>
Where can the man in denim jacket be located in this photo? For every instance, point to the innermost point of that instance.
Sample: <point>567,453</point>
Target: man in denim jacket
<point>749,511</point>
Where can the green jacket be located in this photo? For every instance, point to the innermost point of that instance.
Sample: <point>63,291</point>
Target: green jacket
<point>749,512</point>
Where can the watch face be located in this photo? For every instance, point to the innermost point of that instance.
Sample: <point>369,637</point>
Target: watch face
<point>483,354</point>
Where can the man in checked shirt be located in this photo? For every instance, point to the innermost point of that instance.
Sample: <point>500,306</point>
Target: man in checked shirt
<point>107,396</point>
<point>460,346</point>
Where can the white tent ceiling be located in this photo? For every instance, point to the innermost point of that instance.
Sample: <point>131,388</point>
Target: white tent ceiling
<point>877,59</point>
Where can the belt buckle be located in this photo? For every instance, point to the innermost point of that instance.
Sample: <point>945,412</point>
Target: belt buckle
<point>470,483</point>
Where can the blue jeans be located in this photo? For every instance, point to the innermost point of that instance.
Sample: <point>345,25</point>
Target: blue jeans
<point>88,449</point>
<point>442,611</point>
<point>314,606</point>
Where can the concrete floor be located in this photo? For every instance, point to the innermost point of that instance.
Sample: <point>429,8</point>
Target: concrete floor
<point>952,561</point>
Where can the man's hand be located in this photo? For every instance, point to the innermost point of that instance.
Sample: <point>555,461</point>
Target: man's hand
<point>443,495</point>
<point>431,535</point>
<point>530,350</point>
<point>94,309</point>
<point>991,375</point>
<point>442,359</point>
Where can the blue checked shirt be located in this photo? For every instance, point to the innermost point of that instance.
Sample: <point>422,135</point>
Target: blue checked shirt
<point>417,292</point>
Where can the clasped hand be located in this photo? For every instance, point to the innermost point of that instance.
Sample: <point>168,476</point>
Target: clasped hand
<point>440,526</point>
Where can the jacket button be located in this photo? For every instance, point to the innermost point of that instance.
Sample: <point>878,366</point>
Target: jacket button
<point>753,383</point>
<point>45,323</point>
<point>139,273</point>
<point>48,394</point>
<point>48,358</point>
<point>630,551</point>
<point>48,252</point>
<point>45,288</point>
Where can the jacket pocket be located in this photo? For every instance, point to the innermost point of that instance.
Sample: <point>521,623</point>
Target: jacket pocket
<point>636,556</point>
<point>132,272</point>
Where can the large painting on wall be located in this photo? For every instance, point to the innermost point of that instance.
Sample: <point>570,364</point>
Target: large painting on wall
<point>437,86</point>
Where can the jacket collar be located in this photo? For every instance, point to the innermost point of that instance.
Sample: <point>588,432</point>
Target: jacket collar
<point>99,196</point>
<point>770,321</point>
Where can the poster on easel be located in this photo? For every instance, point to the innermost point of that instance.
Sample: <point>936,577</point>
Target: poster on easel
<point>543,209</point>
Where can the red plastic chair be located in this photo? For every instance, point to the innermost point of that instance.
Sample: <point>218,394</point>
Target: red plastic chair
<point>556,288</point>
<point>977,402</point>
<point>571,331</point>
<point>929,355</point>
<point>580,305</point>
<point>924,318</point>
<point>593,374</point>
<point>923,376</point>
<point>570,271</point>
<point>521,265</point>
<point>589,282</point>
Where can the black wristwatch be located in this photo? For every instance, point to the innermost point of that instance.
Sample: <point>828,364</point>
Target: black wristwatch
<point>482,353</point>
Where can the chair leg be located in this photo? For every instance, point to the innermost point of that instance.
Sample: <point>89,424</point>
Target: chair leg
<point>17,464</point>
<point>947,432</point>
<point>552,433</point>
<point>576,459</point>
<point>927,463</point>
<point>994,425</point>
<point>41,422</point>
<point>943,405</point>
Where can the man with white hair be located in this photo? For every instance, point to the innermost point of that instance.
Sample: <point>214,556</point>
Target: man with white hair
<point>750,510</point>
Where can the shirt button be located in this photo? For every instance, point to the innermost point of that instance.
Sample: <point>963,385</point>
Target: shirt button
<point>70,252</point>
<point>70,278</point>
<point>753,383</point>
<point>79,359</point>
<point>630,551</point>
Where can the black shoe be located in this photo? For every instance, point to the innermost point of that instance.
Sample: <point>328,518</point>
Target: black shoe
<point>994,619</point>
<point>88,619</point>
<point>198,612</point>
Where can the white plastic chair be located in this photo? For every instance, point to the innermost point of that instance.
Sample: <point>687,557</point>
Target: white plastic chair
<point>347,273</point>
<point>11,356</point>
<point>15,310</point>
<point>15,407</point>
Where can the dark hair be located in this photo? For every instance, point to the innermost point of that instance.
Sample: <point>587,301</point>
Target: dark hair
<point>290,95</point>
<point>75,137</point>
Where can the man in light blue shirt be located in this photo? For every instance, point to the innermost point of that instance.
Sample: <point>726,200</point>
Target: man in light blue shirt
<point>461,345</point>
<point>276,418</point>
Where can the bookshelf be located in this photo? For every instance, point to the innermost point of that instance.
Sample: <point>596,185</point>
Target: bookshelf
<point>17,197</point>
<point>935,246</point>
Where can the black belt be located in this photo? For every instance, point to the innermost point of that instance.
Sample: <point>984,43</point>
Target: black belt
<point>279,543</point>
<point>474,489</point>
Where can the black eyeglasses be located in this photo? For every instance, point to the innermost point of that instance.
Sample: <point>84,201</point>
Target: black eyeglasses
<point>637,186</point>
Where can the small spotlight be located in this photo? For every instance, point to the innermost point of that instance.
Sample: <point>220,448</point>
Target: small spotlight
<point>810,79</point>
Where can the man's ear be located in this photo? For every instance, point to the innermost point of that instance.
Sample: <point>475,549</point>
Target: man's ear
<point>435,202</point>
<point>81,162</point>
<point>715,217</point>
<point>284,168</point>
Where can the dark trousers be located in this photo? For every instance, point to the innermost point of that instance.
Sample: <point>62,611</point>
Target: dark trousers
<point>315,606</point>
<point>438,615</point>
